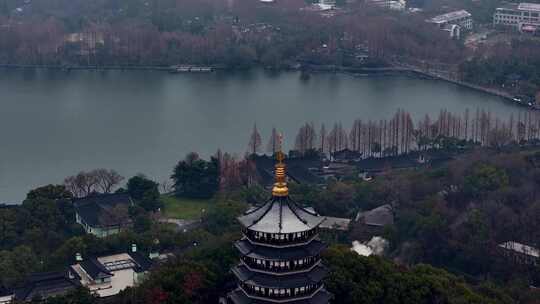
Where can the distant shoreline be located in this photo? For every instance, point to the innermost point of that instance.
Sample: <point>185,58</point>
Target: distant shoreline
<point>391,70</point>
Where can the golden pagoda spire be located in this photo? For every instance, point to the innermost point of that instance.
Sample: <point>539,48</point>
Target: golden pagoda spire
<point>280,186</point>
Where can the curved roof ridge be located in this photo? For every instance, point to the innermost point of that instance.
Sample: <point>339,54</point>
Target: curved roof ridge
<point>270,204</point>
<point>280,215</point>
<point>287,217</point>
<point>294,211</point>
<point>302,208</point>
<point>257,208</point>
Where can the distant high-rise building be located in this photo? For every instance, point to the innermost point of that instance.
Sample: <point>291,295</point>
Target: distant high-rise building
<point>280,252</point>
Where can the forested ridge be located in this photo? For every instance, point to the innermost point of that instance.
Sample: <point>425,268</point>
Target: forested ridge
<point>237,33</point>
<point>240,34</point>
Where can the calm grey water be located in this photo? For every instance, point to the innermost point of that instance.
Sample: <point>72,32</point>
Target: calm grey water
<point>54,124</point>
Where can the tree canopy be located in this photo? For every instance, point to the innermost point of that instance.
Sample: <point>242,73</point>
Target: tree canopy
<point>195,177</point>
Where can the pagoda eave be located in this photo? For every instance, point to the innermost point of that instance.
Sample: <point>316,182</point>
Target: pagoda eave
<point>238,296</point>
<point>295,280</point>
<point>246,248</point>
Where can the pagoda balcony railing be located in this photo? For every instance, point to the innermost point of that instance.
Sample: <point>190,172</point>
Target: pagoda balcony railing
<point>264,294</point>
<point>281,240</point>
<point>278,268</point>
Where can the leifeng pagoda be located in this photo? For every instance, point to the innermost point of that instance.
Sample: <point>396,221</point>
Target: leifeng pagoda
<point>280,251</point>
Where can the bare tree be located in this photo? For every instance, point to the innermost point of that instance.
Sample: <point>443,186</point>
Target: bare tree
<point>106,180</point>
<point>355,135</point>
<point>166,186</point>
<point>82,184</point>
<point>273,142</point>
<point>305,139</point>
<point>248,171</point>
<point>254,145</point>
<point>230,177</point>
<point>323,139</point>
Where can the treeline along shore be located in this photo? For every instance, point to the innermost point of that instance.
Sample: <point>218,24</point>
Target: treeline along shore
<point>400,135</point>
<point>355,71</point>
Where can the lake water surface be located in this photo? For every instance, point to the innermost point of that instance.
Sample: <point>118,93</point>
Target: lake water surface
<point>54,124</point>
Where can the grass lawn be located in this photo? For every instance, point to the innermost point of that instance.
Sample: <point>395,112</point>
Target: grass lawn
<point>184,208</point>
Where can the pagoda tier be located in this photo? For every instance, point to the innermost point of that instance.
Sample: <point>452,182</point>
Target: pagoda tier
<point>298,280</point>
<point>280,221</point>
<point>280,260</point>
<point>280,252</point>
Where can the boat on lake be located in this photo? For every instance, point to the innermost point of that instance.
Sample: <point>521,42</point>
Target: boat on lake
<point>190,69</point>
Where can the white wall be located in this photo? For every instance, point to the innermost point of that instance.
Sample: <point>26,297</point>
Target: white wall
<point>6,299</point>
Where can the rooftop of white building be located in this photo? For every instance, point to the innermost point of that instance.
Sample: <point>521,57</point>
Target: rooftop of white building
<point>521,248</point>
<point>524,6</point>
<point>529,7</point>
<point>450,16</point>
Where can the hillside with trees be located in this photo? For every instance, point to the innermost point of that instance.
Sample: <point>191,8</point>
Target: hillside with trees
<point>237,33</point>
<point>450,217</point>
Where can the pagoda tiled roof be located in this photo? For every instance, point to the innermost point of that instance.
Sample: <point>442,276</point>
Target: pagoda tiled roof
<point>280,215</point>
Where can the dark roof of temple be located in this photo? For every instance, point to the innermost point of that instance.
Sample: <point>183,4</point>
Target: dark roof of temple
<point>143,262</point>
<point>313,276</point>
<point>288,253</point>
<point>44,285</point>
<point>4,291</point>
<point>95,269</point>
<point>280,215</point>
<point>239,297</point>
<point>101,210</point>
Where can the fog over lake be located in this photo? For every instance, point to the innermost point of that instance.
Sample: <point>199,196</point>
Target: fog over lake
<point>54,124</point>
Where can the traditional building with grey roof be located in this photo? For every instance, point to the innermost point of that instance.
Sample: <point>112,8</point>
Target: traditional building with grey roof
<point>105,214</point>
<point>45,285</point>
<point>108,275</point>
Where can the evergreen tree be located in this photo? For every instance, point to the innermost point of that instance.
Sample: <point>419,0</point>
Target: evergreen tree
<point>145,192</point>
<point>195,177</point>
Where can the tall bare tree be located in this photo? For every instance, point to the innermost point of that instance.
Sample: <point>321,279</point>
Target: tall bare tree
<point>355,135</point>
<point>273,142</point>
<point>107,180</point>
<point>98,180</point>
<point>306,138</point>
<point>82,184</point>
<point>323,139</point>
<point>255,142</point>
